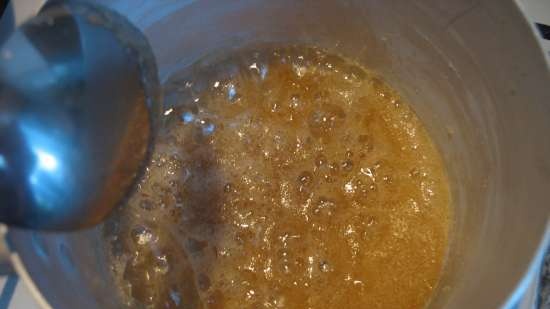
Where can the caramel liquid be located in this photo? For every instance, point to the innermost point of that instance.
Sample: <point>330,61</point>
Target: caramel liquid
<point>284,178</point>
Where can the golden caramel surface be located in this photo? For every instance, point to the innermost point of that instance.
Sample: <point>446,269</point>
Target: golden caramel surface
<point>284,178</point>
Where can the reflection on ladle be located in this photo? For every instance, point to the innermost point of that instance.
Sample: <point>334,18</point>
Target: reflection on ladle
<point>78,104</point>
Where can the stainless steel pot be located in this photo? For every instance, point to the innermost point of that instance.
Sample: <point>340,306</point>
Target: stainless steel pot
<point>472,70</point>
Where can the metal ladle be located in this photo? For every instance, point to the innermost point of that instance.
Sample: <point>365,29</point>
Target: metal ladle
<point>79,99</point>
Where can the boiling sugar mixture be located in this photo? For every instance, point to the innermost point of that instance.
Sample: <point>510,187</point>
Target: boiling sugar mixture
<point>284,178</point>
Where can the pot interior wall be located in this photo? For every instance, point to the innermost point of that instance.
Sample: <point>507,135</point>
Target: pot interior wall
<point>471,70</point>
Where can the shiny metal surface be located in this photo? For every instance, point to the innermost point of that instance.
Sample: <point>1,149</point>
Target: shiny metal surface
<point>74,116</point>
<point>472,70</point>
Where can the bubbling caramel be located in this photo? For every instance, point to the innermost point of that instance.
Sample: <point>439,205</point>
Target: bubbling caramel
<point>284,178</point>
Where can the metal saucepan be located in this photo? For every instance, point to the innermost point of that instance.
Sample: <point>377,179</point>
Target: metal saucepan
<point>472,70</point>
